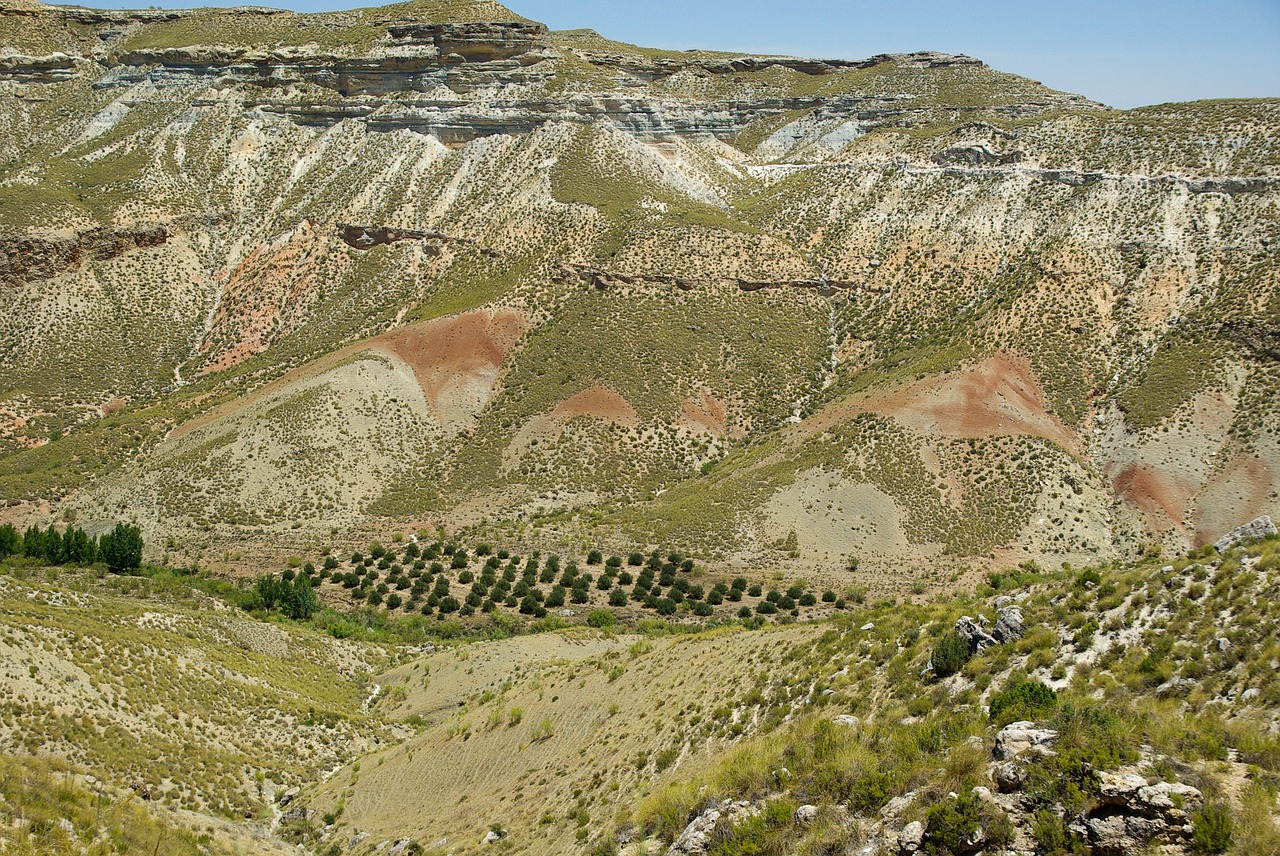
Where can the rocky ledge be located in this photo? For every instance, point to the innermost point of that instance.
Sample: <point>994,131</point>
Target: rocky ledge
<point>603,280</point>
<point>32,258</point>
<point>656,69</point>
<point>53,68</point>
<point>1130,813</point>
<point>36,256</point>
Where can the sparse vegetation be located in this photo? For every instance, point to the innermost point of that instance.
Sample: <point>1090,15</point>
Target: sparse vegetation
<point>606,469</point>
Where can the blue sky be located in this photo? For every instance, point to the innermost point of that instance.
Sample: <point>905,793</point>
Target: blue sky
<point>1125,53</point>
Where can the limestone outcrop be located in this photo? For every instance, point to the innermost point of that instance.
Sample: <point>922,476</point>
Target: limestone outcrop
<point>1259,527</point>
<point>700,834</point>
<point>33,257</point>
<point>53,68</point>
<point>1009,625</point>
<point>969,630</point>
<point>1020,738</point>
<point>603,280</point>
<point>367,237</point>
<point>1131,815</point>
<point>456,80</point>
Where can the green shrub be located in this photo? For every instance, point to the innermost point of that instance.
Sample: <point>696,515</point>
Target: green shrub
<point>1088,577</point>
<point>1023,700</point>
<point>601,618</point>
<point>1090,738</point>
<point>870,791</point>
<point>1054,839</point>
<point>1212,829</point>
<point>950,655</point>
<point>666,758</point>
<point>544,730</point>
<point>950,826</point>
<point>1084,636</point>
<point>765,833</point>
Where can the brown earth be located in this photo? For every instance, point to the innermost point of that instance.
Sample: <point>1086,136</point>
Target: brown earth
<point>457,359</point>
<point>598,402</point>
<point>1242,491</point>
<point>272,280</point>
<point>594,402</point>
<point>706,413</point>
<point>996,397</point>
<point>1160,497</point>
<point>1192,480</point>
<point>113,405</point>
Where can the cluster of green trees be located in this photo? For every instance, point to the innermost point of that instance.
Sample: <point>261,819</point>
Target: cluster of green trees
<point>294,598</point>
<point>120,549</point>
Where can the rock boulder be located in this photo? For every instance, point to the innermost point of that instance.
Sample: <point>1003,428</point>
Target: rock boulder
<point>971,632</point>
<point>1009,626</point>
<point>1259,527</point>
<point>1132,815</point>
<point>699,834</point>
<point>1020,738</point>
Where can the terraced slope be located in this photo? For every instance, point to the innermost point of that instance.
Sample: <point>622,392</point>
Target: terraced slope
<point>271,279</point>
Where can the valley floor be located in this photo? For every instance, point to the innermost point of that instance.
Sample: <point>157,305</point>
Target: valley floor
<point>1100,710</point>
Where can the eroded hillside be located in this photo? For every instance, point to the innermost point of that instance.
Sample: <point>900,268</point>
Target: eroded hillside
<point>269,278</point>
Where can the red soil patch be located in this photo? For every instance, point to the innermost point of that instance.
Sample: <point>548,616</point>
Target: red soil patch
<point>112,405</point>
<point>599,402</point>
<point>264,297</point>
<point>594,402</point>
<point>998,396</point>
<point>706,413</point>
<point>456,360</point>
<point>1162,498</point>
<point>1237,495</point>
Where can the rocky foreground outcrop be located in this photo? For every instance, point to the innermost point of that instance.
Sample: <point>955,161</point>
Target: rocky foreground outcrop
<point>1260,527</point>
<point>1129,812</point>
<point>1009,627</point>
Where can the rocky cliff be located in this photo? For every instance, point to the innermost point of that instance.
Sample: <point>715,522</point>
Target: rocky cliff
<point>33,258</point>
<point>454,79</point>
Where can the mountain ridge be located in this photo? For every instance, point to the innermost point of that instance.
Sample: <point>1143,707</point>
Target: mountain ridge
<point>714,262</point>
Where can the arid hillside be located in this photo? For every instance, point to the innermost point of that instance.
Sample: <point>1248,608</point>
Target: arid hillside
<point>1097,710</point>
<point>271,280</point>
